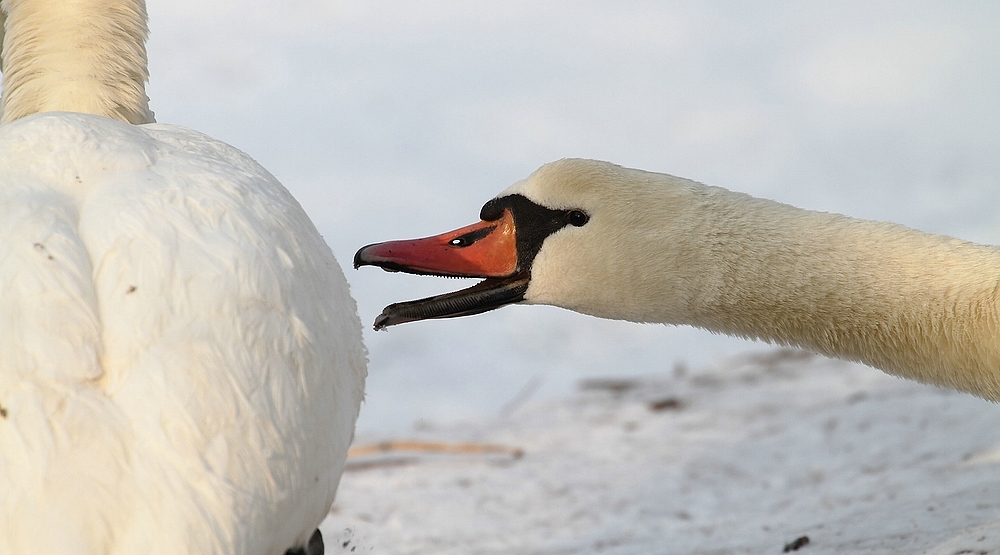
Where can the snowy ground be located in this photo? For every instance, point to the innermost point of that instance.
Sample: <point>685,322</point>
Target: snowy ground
<point>744,457</point>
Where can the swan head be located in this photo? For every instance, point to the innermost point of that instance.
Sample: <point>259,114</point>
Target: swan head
<point>572,234</point>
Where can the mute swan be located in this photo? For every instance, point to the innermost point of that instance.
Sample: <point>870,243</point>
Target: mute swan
<point>631,245</point>
<point>181,362</point>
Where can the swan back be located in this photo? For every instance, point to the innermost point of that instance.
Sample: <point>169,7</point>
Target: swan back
<point>182,360</point>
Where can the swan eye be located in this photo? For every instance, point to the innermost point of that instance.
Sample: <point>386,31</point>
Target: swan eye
<point>578,218</point>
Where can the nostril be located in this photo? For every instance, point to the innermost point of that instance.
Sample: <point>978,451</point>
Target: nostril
<point>470,237</point>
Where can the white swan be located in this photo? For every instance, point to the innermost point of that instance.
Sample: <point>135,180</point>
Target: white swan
<point>632,245</point>
<point>181,363</point>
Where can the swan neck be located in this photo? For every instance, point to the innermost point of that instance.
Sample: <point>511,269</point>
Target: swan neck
<point>914,304</point>
<point>85,56</point>
<point>663,249</point>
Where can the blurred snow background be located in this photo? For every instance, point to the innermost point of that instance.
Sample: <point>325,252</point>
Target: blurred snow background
<point>390,119</point>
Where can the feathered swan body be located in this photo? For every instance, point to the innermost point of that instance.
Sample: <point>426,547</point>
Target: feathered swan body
<point>181,362</point>
<point>627,244</point>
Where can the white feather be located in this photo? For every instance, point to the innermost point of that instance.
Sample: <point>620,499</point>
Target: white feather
<point>181,362</point>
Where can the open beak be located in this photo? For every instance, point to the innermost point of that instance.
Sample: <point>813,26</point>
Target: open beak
<point>487,250</point>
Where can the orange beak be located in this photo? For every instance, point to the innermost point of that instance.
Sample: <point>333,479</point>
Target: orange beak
<point>484,249</point>
<point>501,249</point>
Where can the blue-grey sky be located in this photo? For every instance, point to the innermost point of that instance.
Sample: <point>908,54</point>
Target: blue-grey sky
<point>398,118</point>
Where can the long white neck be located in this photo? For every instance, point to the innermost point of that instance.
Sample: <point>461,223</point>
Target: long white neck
<point>914,304</point>
<point>75,55</point>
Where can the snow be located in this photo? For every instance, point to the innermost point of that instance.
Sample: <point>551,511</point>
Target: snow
<point>743,457</point>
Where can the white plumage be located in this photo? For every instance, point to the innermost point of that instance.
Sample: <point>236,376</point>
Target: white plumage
<point>181,362</point>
